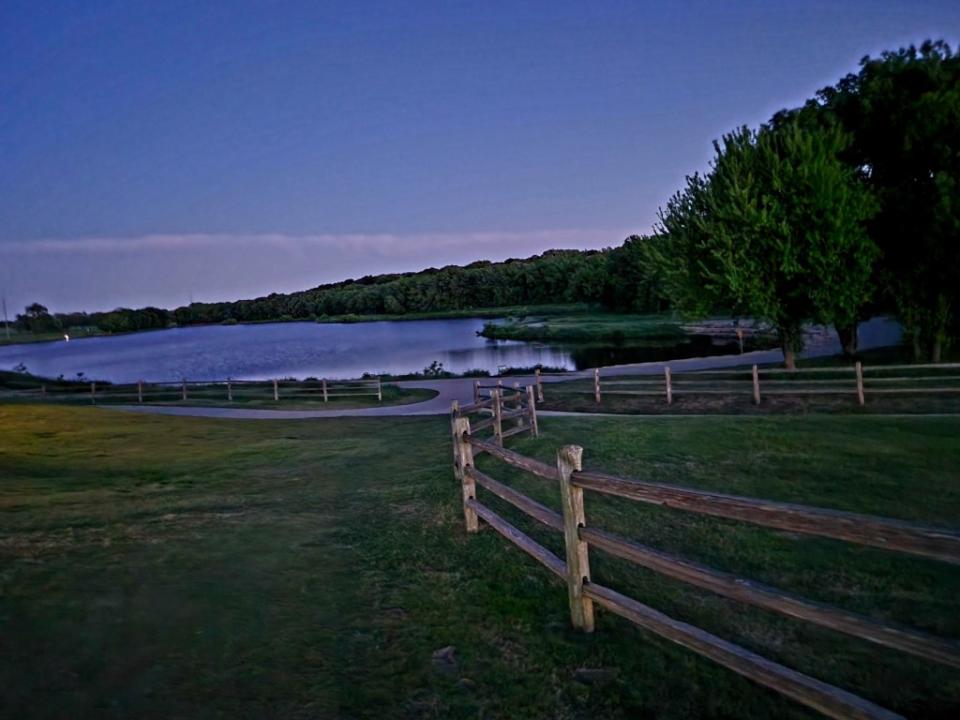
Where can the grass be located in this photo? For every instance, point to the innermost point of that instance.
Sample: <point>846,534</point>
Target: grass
<point>660,330</point>
<point>578,395</point>
<point>301,397</point>
<point>588,327</point>
<point>157,567</point>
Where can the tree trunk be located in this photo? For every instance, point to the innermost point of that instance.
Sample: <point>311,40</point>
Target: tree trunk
<point>917,349</point>
<point>849,339</point>
<point>789,359</point>
<point>935,350</point>
<point>790,342</point>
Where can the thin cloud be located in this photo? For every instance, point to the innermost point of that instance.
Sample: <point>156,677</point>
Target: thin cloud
<point>384,243</point>
<point>172,269</point>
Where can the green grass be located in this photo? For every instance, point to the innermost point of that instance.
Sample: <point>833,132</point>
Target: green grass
<point>589,327</point>
<point>302,397</point>
<point>158,567</point>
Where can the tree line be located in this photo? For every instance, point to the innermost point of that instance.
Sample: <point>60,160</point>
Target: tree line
<point>829,212</point>
<point>556,276</point>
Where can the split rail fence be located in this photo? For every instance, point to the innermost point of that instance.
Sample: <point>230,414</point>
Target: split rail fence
<point>518,406</point>
<point>857,381</point>
<point>583,593</point>
<point>209,390</point>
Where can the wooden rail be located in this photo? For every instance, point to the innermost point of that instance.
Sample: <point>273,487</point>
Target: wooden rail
<point>584,593</point>
<point>213,390</point>
<point>519,406</point>
<point>856,380</point>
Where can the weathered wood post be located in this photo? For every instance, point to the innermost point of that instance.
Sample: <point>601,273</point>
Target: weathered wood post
<point>476,391</point>
<point>596,384</point>
<point>497,421</point>
<point>858,368</point>
<point>532,409</point>
<point>93,393</point>
<point>276,392</point>
<point>140,391</point>
<point>379,389</point>
<point>183,386</point>
<point>519,404</point>
<point>324,383</point>
<point>229,390</point>
<point>454,414</point>
<point>666,377</point>
<point>756,386</point>
<point>569,460</point>
<point>539,385</point>
<point>464,460</point>
<point>43,390</point>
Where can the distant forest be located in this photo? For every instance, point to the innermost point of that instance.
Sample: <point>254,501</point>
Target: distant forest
<point>616,278</point>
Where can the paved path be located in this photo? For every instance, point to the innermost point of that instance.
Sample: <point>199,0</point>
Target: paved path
<point>872,334</point>
<point>459,389</point>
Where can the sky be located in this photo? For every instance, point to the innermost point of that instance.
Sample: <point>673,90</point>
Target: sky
<point>163,152</point>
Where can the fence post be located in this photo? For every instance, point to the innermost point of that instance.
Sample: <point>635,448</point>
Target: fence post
<point>497,424</point>
<point>858,368</point>
<point>539,385</point>
<point>596,384</point>
<point>532,408</point>
<point>464,460</point>
<point>578,562</point>
<point>43,390</point>
<point>324,382</point>
<point>756,386</point>
<point>93,393</point>
<point>454,414</point>
<point>140,391</point>
<point>519,405</point>
<point>183,386</point>
<point>476,391</point>
<point>666,377</point>
<point>276,392</point>
<point>379,389</point>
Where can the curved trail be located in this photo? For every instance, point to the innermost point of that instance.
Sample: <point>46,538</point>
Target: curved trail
<point>459,389</point>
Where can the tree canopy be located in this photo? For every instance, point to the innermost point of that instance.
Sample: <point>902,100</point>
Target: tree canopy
<point>775,231</point>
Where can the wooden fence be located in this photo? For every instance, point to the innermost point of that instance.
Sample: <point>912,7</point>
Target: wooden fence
<point>584,593</point>
<point>209,390</point>
<point>520,406</point>
<point>856,381</point>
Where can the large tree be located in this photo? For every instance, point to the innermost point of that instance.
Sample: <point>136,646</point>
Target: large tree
<point>775,231</point>
<point>903,113</point>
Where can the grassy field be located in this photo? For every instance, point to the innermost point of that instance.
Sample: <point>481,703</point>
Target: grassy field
<point>588,327</point>
<point>157,567</point>
<point>299,397</point>
<point>578,395</point>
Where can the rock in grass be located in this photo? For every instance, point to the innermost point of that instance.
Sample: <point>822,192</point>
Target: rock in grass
<point>444,660</point>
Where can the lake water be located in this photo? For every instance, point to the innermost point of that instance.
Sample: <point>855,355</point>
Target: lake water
<point>255,352</point>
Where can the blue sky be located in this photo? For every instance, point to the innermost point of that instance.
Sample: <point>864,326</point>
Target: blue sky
<point>150,152</point>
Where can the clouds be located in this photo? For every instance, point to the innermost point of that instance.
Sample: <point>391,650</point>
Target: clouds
<point>95,273</point>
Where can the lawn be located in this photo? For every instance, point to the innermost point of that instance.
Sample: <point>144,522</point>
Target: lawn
<point>158,567</point>
<point>291,397</point>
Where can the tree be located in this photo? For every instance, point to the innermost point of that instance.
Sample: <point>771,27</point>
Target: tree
<point>775,231</point>
<point>37,318</point>
<point>903,112</point>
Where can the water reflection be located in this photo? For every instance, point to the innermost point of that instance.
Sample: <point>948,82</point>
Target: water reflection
<point>345,350</point>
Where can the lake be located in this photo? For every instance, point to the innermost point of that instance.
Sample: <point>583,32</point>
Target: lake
<point>333,350</point>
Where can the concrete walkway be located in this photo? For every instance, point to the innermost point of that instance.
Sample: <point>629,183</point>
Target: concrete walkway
<point>872,334</point>
<point>459,389</point>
